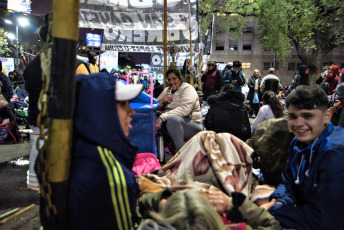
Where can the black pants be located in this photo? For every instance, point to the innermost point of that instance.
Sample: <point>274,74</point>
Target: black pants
<point>254,108</point>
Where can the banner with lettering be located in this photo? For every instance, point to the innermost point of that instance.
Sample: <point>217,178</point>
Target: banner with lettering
<point>139,24</point>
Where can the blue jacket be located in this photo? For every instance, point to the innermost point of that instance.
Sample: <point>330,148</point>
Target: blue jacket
<point>312,191</point>
<point>102,188</point>
<point>239,77</point>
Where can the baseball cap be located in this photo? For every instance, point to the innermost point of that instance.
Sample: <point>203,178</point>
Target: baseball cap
<point>127,92</point>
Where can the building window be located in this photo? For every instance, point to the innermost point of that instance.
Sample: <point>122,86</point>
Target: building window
<point>247,45</point>
<point>266,65</point>
<point>248,29</point>
<point>233,45</point>
<point>220,45</point>
<point>246,65</point>
<point>291,65</point>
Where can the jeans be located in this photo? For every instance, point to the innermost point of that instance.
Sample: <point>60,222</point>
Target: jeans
<point>180,127</point>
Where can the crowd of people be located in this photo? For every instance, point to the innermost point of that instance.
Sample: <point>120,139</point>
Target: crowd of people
<point>104,193</point>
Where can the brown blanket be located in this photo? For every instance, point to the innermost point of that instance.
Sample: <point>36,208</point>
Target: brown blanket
<point>207,160</point>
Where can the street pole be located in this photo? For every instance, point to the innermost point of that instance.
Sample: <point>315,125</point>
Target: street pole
<point>17,51</point>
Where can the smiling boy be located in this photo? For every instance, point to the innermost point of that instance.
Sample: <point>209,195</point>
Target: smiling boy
<point>311,195</point>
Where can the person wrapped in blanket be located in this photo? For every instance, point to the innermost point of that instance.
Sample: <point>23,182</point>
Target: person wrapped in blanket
<point>102,188</point>
<point>188,209</point>
<point>311,194</point>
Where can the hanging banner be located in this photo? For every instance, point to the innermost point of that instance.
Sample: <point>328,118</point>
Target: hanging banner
<point>140,22</point>
<point>183,48</point>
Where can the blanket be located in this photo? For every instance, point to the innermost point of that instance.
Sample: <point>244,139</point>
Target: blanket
<point>208,161</point>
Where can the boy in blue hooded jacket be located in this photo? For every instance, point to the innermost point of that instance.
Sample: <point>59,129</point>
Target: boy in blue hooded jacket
<point>311,195</point>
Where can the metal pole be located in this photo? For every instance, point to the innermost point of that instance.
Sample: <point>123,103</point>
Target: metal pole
<point>17,51</point>
<point>165,41</point>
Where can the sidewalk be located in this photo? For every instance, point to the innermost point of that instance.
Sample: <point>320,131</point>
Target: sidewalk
<point>13,151</point>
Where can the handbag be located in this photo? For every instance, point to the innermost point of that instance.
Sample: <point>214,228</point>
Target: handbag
<point>255,98</point>
<point>3,102</point>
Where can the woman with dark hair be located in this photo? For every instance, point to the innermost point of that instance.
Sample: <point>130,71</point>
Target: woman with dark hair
<point>188,76</point>
<point>212,79</point>
<point>272,108</point>
<point>182,117</point>
<point>228,114</point>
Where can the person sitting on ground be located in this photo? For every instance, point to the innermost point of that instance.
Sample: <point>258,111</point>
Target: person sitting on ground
<point>182,117</point>
<point>102,188</point>
<point>272,108</point>
<point>311,194</point>
<point>228,114</point>
<point>188,209</point>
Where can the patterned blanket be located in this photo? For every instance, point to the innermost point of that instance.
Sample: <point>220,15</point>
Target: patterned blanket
<point>208,161</point>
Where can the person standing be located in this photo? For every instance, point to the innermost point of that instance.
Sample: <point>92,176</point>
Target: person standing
<point>254,95</point>
<point>234,76</point>
<point>271,82</point>
<point>188,76</point>
<point>7,92</point>
<point>302,77</point>
<point>212,79</point>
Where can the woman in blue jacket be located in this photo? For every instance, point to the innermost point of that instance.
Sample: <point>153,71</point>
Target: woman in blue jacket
<point>311,195</point>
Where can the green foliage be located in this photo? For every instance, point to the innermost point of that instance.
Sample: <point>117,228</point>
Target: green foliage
<point>4,50</point>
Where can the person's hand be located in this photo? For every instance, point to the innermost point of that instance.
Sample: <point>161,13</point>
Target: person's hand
<point>205,71</point>
<point>256,90</point>
<point>162,204</point>
<point>167,98</point>
<point>335,106</point>
<point>220,201</point>
<point>268,204</point>
<point>158,123</point>
<point>233,82</point>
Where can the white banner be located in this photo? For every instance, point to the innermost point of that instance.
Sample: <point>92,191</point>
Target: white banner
<point>8,63</point>
<point>145,49</point>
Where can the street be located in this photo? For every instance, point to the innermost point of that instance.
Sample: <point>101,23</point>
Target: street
<point>13,190</point>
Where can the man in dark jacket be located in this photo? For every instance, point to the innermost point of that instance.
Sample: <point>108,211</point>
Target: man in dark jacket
<point>228,114</point>
<point>18,80</point>
<point>7,92</point>
<point>311,194</point>
<point>234,76</point>
<point>254,88</point>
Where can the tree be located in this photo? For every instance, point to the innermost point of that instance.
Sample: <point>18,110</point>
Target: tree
<point>4,50</point>
<point>314,27</point>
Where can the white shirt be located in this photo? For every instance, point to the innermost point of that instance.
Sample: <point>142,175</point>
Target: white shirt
<point>264,113</point>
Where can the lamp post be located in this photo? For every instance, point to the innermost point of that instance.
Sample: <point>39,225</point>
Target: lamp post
<point>22,22</point>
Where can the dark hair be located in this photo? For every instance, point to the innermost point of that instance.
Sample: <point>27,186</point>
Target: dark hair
<point>10,73</point>
<point>308,97</point>
<point>176,72</point>
<point>0,66</point>
<point>236,63</point>
<point>213,64</point>
<point>227,88</point>
<point>269,98</point>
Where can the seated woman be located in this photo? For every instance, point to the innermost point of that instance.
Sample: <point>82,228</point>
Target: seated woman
<point>228,114</point>
<point>182,116</point>
<point>272,108</point>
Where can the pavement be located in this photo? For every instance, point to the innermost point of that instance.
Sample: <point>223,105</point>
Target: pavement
<point>13,190</point>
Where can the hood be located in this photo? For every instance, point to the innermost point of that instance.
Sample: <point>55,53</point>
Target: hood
<point>96,119</point>
<point>302,70</point>
<point>230,100</point>
<point>335,71</point>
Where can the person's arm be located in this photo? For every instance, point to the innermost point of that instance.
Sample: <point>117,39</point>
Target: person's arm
<point>209,119</point>
<point>187,103</point>
<point>251,83</point>
<point>262,85</point>
<point>162,99</point>
<point>340,87</point>
<point>325,208</point>
<point>241,79</point>
<point>259,119</point>
<point>227,79</point>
